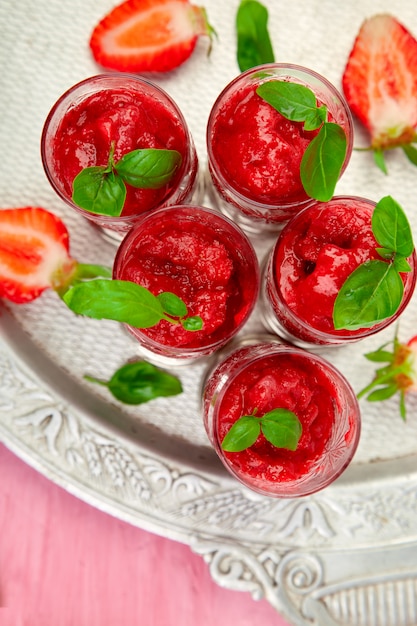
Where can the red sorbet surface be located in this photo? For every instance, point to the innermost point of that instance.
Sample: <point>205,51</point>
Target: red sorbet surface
<point>133,121</point>
<point>317,254</point>
<point>201,267</point>
<point>259,151</point>
<point>281,381</point>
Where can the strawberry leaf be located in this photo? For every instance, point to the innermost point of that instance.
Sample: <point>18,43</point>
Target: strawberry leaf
<point>384,393</point>
<point>87,271</point>
<point>372,293</point>
<point>380,356</point>
<point>410,152</point>
<point>253,42</point>
<point>398,375</point>
<point>322,162</point>
<point>379,160</point>
<point>391,227</point>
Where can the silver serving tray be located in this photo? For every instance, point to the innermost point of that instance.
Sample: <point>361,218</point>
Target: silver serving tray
<point>346,556</point>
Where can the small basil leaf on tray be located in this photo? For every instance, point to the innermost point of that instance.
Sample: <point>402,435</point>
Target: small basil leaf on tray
<point>140,382</point>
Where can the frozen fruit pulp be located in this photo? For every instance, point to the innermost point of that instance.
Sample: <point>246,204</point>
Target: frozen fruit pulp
<point>316,253</point>
<point>132,120</point>
<point>287,381</point>
<point>258,151</point>
<point>200,264</point>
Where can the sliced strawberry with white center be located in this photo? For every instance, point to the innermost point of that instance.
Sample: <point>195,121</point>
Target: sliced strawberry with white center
<point>380,81</point>
<point>34,253</point>
<point>148,35</point>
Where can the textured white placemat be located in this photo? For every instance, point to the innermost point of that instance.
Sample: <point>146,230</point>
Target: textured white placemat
<point>44,51</point>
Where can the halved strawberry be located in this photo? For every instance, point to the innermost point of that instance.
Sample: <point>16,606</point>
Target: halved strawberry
<point>34,253</point>
<point>148,35</point>
<point>399,375</point>
<point>380,81</point>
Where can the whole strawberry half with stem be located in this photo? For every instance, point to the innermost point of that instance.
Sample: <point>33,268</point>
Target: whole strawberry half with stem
<point>34,255</point>
<point>149,35</point>
<point>380,85</point>
<point>398,375</point>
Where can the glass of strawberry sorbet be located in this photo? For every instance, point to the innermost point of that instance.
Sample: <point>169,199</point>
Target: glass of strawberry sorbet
<point>256,379</point>
<point>203,258</point>
<point>120,113</point>
<point>255,153</point>
<point>313,256</point>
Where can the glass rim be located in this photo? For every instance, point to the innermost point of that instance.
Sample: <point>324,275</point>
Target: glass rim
<point>270,349</point>
<point>266,71</point>
<point>250,256</point>
<point>122,80</point>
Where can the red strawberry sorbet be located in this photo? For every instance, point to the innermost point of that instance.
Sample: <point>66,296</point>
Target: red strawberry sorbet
<point>123,113</point>
<point>255,153</point>
<point>258,379</point>
<point>314,255</point>
<point>87,131</point>
<point>202,258</point>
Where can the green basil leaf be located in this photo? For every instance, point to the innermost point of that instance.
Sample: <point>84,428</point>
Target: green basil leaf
<point>282,428</point>
<point>391,227</point>
<point>139,382</point>
<point>242,434</point>
<point>410,152</point>
<point>253,41</point>
<point>118,300</point>
<point>401,264</point>
<point>172,304</point>
<point>372,293</point>
<point>99,191</point>
<point>380,356</point>
<point>379,160</point>
<point>322,162</point>
<point>148,168</point>
<point>295,102</point>
<point>383,393</point>
<point>386,253</point>
<point>192,323</point>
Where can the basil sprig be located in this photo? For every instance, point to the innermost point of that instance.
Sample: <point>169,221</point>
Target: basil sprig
<point>374,290</point>
<point>129,303</point>
<point>323,159</point>
<point>253,42</point>
<point>140,382</point>
<point>102,189</point>
<point>280,427</point>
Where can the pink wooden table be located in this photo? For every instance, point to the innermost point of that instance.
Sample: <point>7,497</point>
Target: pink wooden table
<point>64,563</point>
